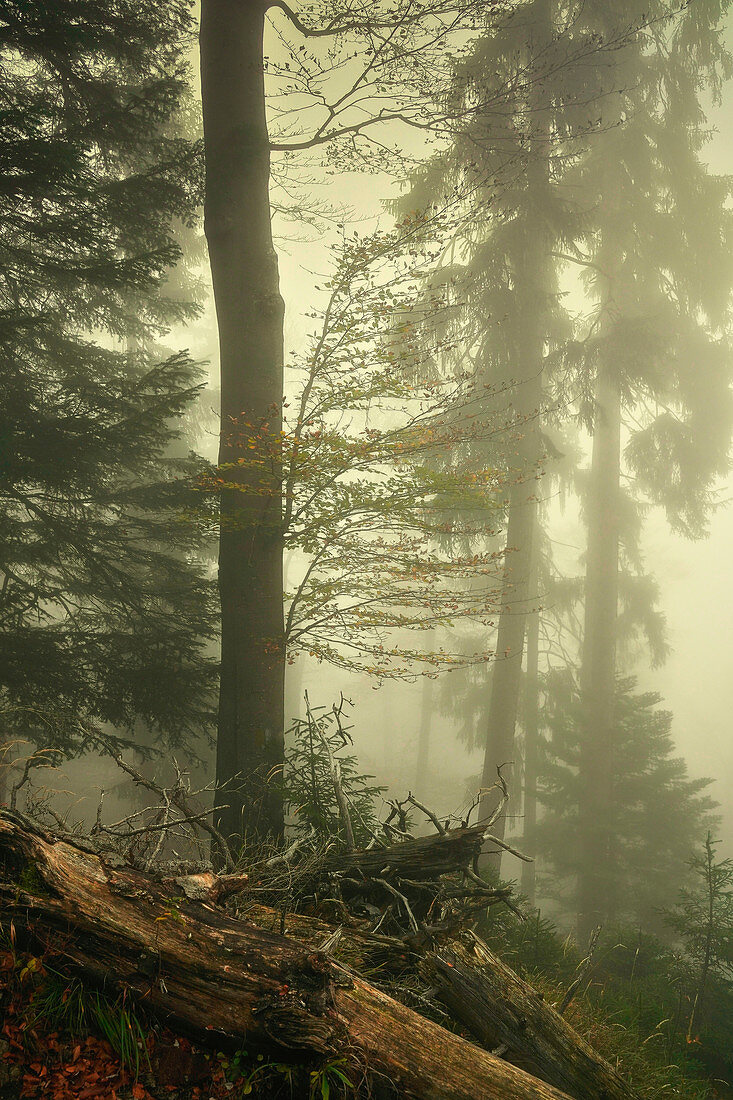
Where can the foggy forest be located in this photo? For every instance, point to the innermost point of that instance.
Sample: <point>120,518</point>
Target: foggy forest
<point>366,409</point>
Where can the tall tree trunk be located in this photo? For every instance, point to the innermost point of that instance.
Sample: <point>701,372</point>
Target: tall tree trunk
<point>422,768</point>
<point>249,311</point>
<point>598,673</point>
<point>533,290</point>
<point>506,672</point>
<point>531,751</point>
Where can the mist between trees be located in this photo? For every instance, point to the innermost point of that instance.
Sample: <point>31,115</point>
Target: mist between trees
<point>427,457</point>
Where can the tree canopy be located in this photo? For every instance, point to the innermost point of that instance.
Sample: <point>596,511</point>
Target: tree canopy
<point>106,607</point>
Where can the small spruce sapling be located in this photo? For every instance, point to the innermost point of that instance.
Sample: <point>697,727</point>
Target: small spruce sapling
<point>703,919</point>
<point>316,743</point>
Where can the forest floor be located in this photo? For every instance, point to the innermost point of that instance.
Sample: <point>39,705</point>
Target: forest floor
<point>76,1027</point>
<point>49,1049</point>
<point>62,1042</point>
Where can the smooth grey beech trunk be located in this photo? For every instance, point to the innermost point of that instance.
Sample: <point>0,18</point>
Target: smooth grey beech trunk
<point>249,310</point>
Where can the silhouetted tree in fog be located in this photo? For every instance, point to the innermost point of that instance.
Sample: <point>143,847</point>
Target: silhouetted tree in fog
<point>105,609</point>
<point>653,359</point>
<point>528,89</point>
<point>656,812</point>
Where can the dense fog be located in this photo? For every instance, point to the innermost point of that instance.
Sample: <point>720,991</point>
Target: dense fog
<point>366,436</point>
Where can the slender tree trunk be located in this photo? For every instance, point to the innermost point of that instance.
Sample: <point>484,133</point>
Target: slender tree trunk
<point>249,311</point>
<point>507,669</point>
<point>294,690</point>
<point>598,673</point>
<point>422,769</point>
<point>533,289</point>
<point>531,752</point>
<point>295,668</point>
<point>698,1004</point>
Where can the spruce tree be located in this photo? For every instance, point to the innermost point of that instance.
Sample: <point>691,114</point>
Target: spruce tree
<point>526,98</point>
<point>104,605</point>
<point>702,919</point>
<point>656,813</point>
<point>652,363</point>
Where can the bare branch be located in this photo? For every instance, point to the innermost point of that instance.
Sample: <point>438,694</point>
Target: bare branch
<point>428,813</point>
<point>341,800</point>
<point>180,802</point>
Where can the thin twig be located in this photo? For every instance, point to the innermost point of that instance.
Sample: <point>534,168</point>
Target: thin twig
<point>427,812</point>
<point>508,848</point>
<point>179,801</point>
<point>393,890</point>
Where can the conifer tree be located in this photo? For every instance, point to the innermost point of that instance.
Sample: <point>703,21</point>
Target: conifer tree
<point>656,812</point>
<point>615,84</point>
<point>652,361</point>
<point>702,918</point>
<point>104,607</point>
<point>502,171</point>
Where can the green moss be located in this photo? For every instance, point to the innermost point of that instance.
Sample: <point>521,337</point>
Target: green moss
<point>30,882</point>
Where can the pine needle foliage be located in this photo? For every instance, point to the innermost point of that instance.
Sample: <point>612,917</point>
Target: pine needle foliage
<point>316,743</point>
<point>104,607</point>
<point>658,809</point>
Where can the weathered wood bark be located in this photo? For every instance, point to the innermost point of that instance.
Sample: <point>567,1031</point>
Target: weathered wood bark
<point>422,857</point>
<point>350,944</point>
<point>250,311</point>
<point>500,1009</point>
<point>206,971</point>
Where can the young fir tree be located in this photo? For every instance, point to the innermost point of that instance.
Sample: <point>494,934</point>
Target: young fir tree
<point>702,918</point>
<point>653,360</point>
<point>105,610</point>
<point>656,813</point>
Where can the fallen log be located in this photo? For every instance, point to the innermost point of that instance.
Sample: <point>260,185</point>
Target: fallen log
<point>351,945</point>
<point>422,857</point>
<point>422,875</point>
<point>502,1010</point>
<point>480,992</point>
<point>198,967</point>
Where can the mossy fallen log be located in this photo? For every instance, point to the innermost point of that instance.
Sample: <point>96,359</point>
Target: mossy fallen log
<point>198,967</point>
<point>501,1010</point>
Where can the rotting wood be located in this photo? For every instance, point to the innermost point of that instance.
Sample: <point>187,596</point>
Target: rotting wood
<point>420,857</point>
<point>502,1010</point>
<point>199,967</point>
